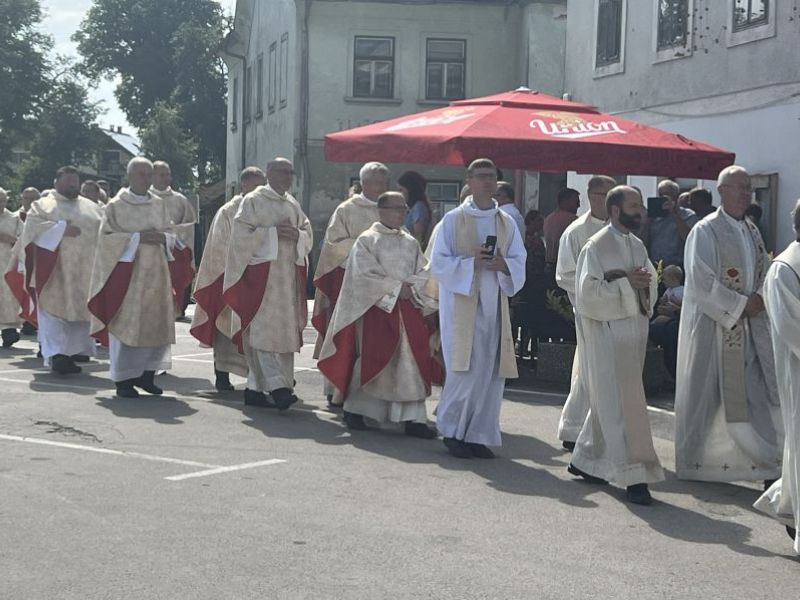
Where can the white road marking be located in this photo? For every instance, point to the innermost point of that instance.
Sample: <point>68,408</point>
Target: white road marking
<point>218,470</point>
<point>193,355</point>
<point>55,384</point>
<point>535,393</point>
<point>194,360</point>
<point>98,450</point>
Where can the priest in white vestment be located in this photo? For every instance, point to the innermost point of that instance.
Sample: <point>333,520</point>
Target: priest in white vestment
<point>10,230</point>
<point>60,233</point>
<point>782,301</point>
<point>265,285</point>
<point>213,322</point>
<point>183,218</point>
<point>616,289</point>
<point>569,247</point>
<point>349,220</point>
<point>377,352</point>
<point>728,425</point>
<point>132,301</point>
<point>475,283</point>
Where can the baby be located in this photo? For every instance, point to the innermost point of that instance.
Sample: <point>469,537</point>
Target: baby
<point>672,277</point>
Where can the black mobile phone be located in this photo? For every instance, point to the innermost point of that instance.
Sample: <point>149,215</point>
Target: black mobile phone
<point>490,245</point>
<point>655,207</point>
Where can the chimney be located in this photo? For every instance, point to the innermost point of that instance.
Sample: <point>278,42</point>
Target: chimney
<point>119,129</point>
<point>111,128</point>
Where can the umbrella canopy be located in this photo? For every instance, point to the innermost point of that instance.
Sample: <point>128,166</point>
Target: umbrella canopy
<point>528,130</point>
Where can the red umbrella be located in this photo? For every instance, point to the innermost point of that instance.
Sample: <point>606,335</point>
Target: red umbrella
<point>525,129</point>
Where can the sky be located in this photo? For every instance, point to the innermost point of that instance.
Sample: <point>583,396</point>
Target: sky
<point>62,19</point>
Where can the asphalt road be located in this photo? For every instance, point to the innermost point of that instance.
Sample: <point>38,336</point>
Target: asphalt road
<point>192,495</point>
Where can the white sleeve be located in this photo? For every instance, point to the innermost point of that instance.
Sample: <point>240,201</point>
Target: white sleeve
<point>50,239</point>
<point>130,250</point>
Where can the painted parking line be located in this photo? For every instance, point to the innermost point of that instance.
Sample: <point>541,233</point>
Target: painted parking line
<point>535,393</point>
<point>218,470</point>
<point>209,353</point>
<point>208,469</point>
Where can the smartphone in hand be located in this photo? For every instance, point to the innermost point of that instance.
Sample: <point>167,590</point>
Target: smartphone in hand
<point>490,245</point>
<point>655,207</point>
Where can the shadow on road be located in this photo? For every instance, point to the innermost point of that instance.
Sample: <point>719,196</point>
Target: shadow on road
<point>161,409</point>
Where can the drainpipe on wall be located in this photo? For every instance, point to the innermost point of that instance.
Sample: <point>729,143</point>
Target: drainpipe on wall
<point>302,142</point>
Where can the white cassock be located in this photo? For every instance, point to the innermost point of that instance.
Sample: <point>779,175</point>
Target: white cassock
<point>782,298</point>
<point>572,242</point>
<point>616,443</point>
<point>728,425</point>
<point>475,304</point>
<point>57,335</point>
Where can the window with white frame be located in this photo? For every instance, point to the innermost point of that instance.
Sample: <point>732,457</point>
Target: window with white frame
<point>673,24</point>
<point>750,13</point>
<point>373,67</point>
<point>445,69</point>
<point>443,196</point>
<point>609,32</point>
<point>273,76</point>
<point>260,87</point>
<point>284,84</point>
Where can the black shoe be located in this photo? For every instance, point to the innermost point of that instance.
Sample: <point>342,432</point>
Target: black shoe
<point>28,329</point>
<point>223,381</point>
<point>792,532</point>
<point>80,358</point>
<point>331,405</point>
<point>479,450</point>
<point>568,446</point>
<point>768,483</point>
<point>639,494</point>
<point>420,430</point>
<point>10,337</point>
<point>255,398</point>
<point>354,421</point>
<point>589,478</point>
<point>283,398</point>
<point>457,448</point>
<point>39,353</point>
<point>125,389</point>
<point>64,365</point>
<point>146,383</point>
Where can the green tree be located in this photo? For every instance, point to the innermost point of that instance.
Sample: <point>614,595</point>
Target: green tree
<point>65,131</point>
<point>23,65</point>
<point>163,51</point>
<point>164,138</point>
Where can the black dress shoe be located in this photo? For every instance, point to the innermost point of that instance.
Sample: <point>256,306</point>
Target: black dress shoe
<point>457,448</point>
<point>64,365</point>
<point>568,446</point>
<point>420,430</point>
<point>255,398</point>
<point>80,358</point>
<point>10,337</point>
<point>639,494</point>
<point>223,381</point>
<point>589,478</point>
<point>333,407</point>
<point>479,450</point>
<point>354,421</point>
<point>125,389</point>
<point>283,398</point>
<point>792,532</point>
<point>146,383</point>
<point>28,329</point>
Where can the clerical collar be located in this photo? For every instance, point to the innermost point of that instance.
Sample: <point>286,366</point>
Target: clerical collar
<point>165,192</point>
<point>367,200</point>
<point>473,209</point>
<point>731,218</point>
<point>386,229</point>
<point>270,189</point>
<point>135,198</point>
<point>617,231</point>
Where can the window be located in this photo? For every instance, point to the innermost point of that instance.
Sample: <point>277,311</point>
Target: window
<point>750,13</point>
<point>443,196</point>
<point>234,103</point>
<point>248,93</point>
<point>260,87</point>
<point>273,75</point>
<point>284,85</point>
<point>373,67</point>
<point>673,23</point>
<point>609,32</point>
<point>445,69</point>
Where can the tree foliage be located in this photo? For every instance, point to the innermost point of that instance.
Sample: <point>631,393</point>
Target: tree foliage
<point>163,51</point>
<point>23,66</point>
<point>164,138</point>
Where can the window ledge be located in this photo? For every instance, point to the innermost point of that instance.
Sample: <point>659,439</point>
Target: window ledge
<point>751,34</point>
<point>669,54</point>
<point>607,70</point>
<point>427,102</point>
<point>358,100</point>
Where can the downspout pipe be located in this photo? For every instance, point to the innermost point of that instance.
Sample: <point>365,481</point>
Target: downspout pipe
<point>302,142</point>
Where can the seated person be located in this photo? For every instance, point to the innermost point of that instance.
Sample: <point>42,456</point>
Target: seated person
<point>669,305</point>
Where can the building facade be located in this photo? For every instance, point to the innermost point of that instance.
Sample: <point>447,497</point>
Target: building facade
<point>300,69</point>
<point>721,71</point>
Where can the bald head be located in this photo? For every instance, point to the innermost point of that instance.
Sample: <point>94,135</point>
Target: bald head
<point>670,189</point>
<point>250,179</point>
<point>735,190</point>
<point>140,175</point>
<point>162,175</point>
<point>280,174</point>
<point>624,207</point>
